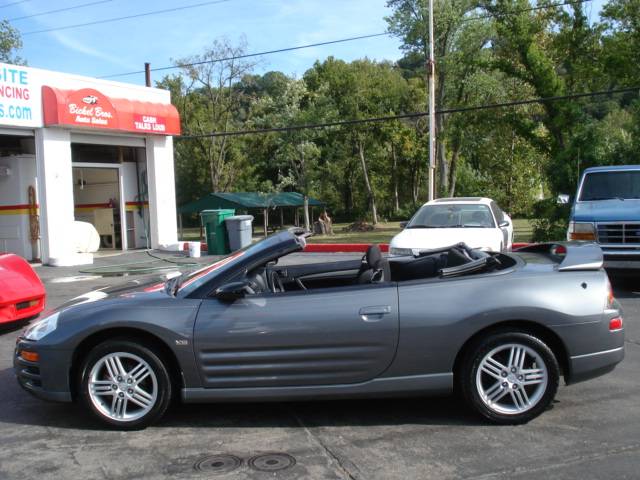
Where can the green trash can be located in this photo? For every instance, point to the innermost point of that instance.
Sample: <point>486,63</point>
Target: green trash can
<point>215,230</point>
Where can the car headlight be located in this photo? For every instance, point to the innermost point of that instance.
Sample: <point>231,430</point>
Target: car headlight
<point>581,231</point>
<point>41,328</point>
<point>400,251</point>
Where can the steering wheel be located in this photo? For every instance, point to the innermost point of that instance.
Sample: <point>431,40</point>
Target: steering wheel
<point>276,282</point>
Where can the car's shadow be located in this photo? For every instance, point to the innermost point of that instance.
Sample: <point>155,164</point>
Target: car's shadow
<point>14,326</point>
<point>20,408</point>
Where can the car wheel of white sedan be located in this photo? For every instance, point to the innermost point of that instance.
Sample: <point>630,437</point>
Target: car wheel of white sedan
<point>510,377</point>
<point>125,384</point>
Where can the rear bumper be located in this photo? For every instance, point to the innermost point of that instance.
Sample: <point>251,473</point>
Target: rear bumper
<point>585,367</point>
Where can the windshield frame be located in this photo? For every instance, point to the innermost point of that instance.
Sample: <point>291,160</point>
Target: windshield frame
<point>579,198</point>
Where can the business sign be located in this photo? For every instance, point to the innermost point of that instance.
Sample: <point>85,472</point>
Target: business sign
<point>20,101</point>
<point>150,123</point>
<point>89,108</point>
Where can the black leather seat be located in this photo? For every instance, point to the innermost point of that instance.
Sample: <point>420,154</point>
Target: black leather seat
<point>375,268</point>
<point>412,268</point>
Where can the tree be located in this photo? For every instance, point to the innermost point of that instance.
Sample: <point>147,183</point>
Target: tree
<point>458,44</point>
<point>212,103</point>
<point>10,43</point>
<point>550,52</point>
<point>357,90</point>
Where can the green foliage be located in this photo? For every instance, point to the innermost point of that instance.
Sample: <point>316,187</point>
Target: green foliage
<point>550,220</point>
<point>10,43</point>
<point>515,155</point>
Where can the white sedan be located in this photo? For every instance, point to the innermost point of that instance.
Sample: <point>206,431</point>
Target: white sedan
<point>478,222</point>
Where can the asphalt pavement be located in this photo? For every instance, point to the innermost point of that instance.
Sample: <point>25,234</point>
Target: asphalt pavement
<point>591,432</point>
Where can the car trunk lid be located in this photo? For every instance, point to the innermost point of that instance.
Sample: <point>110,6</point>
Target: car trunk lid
<point>569,256</point>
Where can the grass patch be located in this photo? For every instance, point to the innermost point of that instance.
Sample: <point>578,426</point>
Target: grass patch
<point>384,232</point>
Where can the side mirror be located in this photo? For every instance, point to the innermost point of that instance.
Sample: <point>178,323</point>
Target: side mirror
<point>563,198</point>
<point>233,291</point>
<point>404,224</point>
<point>504,224</point>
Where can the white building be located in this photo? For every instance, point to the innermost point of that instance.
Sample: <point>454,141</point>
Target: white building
<point>79,148</point>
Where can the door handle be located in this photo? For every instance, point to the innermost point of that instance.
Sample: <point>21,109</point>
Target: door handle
<point>374,313</point>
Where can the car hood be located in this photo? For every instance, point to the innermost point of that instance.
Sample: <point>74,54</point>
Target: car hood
<point>140,286</point>
<point>429,238</point>
<point>607,211</point>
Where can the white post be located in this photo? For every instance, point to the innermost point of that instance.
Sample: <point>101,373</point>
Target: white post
<point>55,196</point>
<point>431,72</point>
<point>162,192</point>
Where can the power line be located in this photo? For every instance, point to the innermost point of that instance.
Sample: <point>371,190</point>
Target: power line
<point>387,118</point>
<point>13,3</point>
<point>127,17</point>
<point>311,45</point>
<point>248,55</point>
<point>66,9</point>
<point>531,9</point>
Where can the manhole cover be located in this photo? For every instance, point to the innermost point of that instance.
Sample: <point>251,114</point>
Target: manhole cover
<point>272,462</point>
<point>218,463</point>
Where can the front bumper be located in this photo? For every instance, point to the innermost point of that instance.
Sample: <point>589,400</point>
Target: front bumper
<point>621,258</point>
<point>21,309</point>
<point>49,384</point>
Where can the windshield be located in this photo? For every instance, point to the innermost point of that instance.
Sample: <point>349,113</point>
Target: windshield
<point>608,185</point>
<point>192,280</point>
<point>459,215</point>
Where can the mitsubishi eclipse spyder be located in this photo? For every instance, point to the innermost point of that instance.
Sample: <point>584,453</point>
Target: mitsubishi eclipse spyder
<point>498,328</point>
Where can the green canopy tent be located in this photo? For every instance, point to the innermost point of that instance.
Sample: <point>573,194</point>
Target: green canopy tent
<point>249,201</point>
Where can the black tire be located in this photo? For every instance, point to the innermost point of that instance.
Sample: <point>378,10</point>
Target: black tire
<point>156,408</point>
<point>470,383</point>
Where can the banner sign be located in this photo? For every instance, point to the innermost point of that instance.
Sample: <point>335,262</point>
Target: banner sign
<point>20,103</point>
<point>89,108</point>
<point>148,123</point>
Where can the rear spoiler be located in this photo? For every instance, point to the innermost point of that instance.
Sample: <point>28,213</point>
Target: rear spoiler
<point>571,256</point>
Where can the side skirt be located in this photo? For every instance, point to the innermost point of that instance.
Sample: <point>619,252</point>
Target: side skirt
<point>434,384</point>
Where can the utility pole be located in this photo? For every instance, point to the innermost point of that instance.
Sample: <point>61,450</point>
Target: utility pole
<point>147,74</point>
<point>431,73</point>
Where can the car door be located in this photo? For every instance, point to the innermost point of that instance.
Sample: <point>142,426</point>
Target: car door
<point>315,337</point>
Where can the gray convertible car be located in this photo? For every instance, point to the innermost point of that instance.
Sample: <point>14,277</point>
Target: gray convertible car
<point>501,328</point>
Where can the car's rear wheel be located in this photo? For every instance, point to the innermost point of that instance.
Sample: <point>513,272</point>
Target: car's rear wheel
<point>125,384</point>
<point>509,377</point>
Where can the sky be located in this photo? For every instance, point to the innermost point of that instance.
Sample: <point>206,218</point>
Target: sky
<point>123,46</point>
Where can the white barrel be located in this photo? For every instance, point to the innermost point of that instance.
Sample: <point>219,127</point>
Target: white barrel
<point>194,249</point>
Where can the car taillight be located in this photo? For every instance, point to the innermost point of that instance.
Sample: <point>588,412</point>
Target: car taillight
<point>615,324</point>
<point>610,297</point>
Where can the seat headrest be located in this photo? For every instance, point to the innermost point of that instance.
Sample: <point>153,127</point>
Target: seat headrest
<point>373,256</point>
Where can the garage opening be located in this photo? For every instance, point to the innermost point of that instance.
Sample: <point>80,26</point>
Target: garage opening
<point>110,192</point>
<point>19,216</point>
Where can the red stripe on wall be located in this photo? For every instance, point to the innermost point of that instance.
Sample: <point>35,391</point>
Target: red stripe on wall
<point>92,205</point>
<point>13,207</point>
<point>138,204</point>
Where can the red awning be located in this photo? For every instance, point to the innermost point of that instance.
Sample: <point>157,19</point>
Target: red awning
<point>89,108</point>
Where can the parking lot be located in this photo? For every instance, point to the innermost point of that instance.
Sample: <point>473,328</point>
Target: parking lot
<point>592,431</point>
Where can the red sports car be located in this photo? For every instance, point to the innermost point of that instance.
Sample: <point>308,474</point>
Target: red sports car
<point>22,293</point>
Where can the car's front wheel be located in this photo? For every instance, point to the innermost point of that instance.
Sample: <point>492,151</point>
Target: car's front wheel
<point>509,377</point>
<point>125,384</point>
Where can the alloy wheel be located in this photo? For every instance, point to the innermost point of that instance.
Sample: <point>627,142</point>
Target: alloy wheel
<point>511,379</point>
<point>123,387</point>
